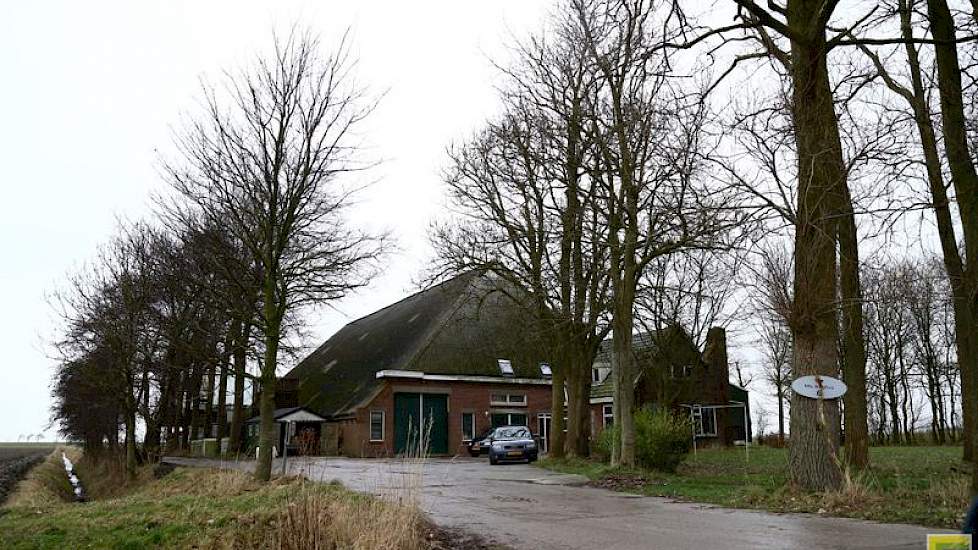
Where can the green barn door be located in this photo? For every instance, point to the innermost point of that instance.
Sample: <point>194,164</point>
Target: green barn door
<point>408,421</point>
<point>436,419</point>
<point>407,418</point>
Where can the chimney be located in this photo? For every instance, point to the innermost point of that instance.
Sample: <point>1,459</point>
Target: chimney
<point>715,357</point>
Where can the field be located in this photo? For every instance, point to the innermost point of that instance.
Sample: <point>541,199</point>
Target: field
<point>15,460</point>
<point>919,485</point>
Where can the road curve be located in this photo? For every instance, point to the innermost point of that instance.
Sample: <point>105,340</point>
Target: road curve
<point>527,507</point>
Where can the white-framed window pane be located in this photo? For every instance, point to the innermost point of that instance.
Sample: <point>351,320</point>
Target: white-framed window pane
<point>517,398</point>
<point>608,415</point>
<point>709,421</point>
<point>468,426</point>
<point>376,425</point>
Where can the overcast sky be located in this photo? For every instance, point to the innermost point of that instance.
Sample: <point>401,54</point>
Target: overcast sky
<point>90,91</point>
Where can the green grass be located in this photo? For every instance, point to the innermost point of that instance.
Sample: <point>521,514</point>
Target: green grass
<point>188,508</point>
<point>921,485</point>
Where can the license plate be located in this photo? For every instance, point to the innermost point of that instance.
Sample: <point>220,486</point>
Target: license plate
<point>514,453</point>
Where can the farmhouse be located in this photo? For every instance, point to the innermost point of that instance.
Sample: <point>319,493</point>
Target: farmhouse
<point>452,360</point>
<point>673,372</point>
<point>459,358</point>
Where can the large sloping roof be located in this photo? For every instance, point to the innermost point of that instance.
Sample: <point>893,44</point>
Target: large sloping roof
<point>456,327</point>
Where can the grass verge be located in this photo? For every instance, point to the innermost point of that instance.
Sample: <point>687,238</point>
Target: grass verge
<point>918,485</point>
<point>202,508</point>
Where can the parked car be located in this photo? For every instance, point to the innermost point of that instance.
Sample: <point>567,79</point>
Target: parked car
<point>508,443</point>
<point>480,445</point>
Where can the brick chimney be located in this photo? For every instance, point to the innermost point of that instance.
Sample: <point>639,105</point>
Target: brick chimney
<point>715,357</point>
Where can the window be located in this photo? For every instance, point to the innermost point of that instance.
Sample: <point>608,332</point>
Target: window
<point>507,419</point>
<point>676,371</point>
<point>510,399</point>
<point>545,370</point>
<point>505,367</point>
<point>468,426</point>
<point>608,415</point>
<point>599,374</point>
<point>705,421</point>
<point>376,425</point>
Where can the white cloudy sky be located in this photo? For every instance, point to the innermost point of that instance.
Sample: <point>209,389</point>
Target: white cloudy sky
<point>90,89</point>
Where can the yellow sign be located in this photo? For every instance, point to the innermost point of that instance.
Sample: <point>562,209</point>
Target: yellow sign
<point>949,542</point>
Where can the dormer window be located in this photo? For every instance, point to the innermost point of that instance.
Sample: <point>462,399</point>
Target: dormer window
<point>545,370</point>
<point>505,367</point>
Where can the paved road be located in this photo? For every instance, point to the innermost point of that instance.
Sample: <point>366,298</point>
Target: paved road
<point>527,507</point>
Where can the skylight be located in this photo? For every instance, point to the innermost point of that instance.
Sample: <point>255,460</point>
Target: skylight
<point>505,367</point>
<point>545,370</point>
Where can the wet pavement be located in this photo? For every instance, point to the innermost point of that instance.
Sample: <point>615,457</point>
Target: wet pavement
<point>527,507</point>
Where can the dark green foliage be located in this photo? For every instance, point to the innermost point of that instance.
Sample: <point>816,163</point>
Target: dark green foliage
<point>662,438</point>
<point>602,444</point>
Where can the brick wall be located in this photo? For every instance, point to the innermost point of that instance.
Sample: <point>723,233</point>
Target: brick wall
<point>462,397</point>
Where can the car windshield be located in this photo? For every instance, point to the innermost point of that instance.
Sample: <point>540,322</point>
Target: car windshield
<point>511,433</point>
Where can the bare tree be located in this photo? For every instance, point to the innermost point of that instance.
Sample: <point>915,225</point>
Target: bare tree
<point>266,158</point>
<point>648,137</point>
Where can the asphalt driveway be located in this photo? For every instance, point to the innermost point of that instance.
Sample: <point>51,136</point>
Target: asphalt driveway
<point>526,507</point>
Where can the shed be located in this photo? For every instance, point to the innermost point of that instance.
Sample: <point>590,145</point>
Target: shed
<point>304,428</point>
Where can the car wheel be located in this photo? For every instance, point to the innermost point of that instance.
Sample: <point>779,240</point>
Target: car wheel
<point>493,460</point>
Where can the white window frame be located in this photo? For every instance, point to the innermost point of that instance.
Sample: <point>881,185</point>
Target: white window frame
<point>507,402</point>
<point>383,425</point>
<point>505,367</point>
<point>607,411</point>
<point>463,426</point>
<point>698,413</point>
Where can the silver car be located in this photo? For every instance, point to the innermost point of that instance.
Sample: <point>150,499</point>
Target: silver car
<point>508,443</point>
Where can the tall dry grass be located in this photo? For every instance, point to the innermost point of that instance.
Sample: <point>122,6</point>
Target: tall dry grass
<point>105,477</point>
<point>392,519</point>
<point>859,491</point>
<point>317,521</point>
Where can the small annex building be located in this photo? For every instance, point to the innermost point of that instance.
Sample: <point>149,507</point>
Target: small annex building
<point>673,372</point>
<point>302,426</point>
<point>455,359</point>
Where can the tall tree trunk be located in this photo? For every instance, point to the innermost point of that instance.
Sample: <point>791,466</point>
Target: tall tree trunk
<point>556,448</point>
<point>853,343</point>
<point>623,371</point>
<point>268,432</point>
<point>965,180</point>
<point>814,463</point>
<point>208,416</point>
<point>222,386</point>
<point>780,416</point>
<point>572,441</point>
<point>130,422</point>
<point>237,411</point>
<point>222,398</point>
<point>584,437</point>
